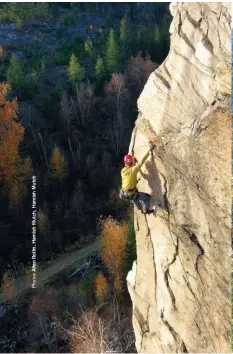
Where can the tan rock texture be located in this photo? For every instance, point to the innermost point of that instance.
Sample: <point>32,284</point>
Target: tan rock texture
<point>180,284</point>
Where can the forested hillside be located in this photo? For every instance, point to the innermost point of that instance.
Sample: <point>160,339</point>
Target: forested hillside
<point>70,77</point>
<point>74,72</point>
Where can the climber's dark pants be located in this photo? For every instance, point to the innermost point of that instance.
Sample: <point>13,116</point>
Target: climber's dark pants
<point>142,201</point>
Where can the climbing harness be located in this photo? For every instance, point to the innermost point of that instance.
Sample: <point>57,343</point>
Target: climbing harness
<point>128,195</point>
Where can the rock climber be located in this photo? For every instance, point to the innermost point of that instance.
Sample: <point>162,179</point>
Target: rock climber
<point>129,191</point>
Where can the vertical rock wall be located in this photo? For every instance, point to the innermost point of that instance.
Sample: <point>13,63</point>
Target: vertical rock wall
<point>180,284</point>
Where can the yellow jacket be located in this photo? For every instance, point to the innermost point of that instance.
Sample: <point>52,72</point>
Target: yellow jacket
<point>129,174</point>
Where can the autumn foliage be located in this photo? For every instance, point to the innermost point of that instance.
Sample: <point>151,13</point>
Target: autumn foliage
<point>11,132</point>
<point>1,52</point>
<point>139,70</point>
<point>13,169</point>
<point>117,88</point>
<point>57,164</point>
<point>101,286</point>
<point>114,238</point>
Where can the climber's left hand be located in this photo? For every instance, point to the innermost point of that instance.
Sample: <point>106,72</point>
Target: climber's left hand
<point>152,146</point>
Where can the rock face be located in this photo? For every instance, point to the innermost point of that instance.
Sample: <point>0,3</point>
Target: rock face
<point>180,284</point>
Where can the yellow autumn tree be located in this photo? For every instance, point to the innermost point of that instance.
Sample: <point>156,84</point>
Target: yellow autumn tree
<point>57,165</point>
<point>113,241</point>
<point>13,169</point>
<point>101,286</point>
<point>118,284</point>
<point>24,172</point>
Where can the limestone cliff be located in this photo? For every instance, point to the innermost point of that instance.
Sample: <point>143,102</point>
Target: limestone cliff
<point>180,282</point>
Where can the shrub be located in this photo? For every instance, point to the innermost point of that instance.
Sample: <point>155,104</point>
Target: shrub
<point>110,331</point>
<point>87,285</point>
<point>89,334</point>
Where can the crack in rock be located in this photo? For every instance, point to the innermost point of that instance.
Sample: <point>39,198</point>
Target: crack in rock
<point>143,323</point>
<point>166,274</point>
<point>153,257</point>
<point>164,81</point>
<point>186,40</point>
<point>194,239</point>
<point>189,287</point>
<point>165,196</point>
<point>182,347</point>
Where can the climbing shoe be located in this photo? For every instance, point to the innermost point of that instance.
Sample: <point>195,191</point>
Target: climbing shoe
<point>149,211</point>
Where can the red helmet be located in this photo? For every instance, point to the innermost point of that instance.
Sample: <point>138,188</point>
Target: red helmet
<point>128,159</point>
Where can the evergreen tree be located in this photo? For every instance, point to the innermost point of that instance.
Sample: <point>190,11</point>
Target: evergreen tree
<point>15,74</point>
<point>157,35</point>
<point>157,38</point>
<point>142,40</point>
<point>155,46</point>
<point>99,68</point>
<point>88,46</point>
<point>76,72</point>
<point>112,53</point>
<point>125,34</point>
<point>124,29</point>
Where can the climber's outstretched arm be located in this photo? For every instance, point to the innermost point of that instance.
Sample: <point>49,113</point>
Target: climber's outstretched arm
<point>139,165</point>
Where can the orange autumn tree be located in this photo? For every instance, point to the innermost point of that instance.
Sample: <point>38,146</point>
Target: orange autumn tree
<point>113,239</point>
<point>13,169</point>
